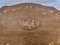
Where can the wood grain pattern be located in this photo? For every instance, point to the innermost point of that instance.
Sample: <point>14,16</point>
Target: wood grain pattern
<point>29,24</point>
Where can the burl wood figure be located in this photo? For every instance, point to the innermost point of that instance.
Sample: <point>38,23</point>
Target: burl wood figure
<point>29,24</point>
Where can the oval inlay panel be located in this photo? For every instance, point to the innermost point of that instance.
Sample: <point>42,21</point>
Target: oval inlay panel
<point>30,23</point>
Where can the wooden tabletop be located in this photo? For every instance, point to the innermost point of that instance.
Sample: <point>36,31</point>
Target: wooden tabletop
<point>29,24</point>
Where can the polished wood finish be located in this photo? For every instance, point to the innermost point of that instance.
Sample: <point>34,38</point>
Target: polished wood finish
<point>29,24</point>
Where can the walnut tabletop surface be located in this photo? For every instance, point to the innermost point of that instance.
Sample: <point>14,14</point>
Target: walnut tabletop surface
<point>29,24</point>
